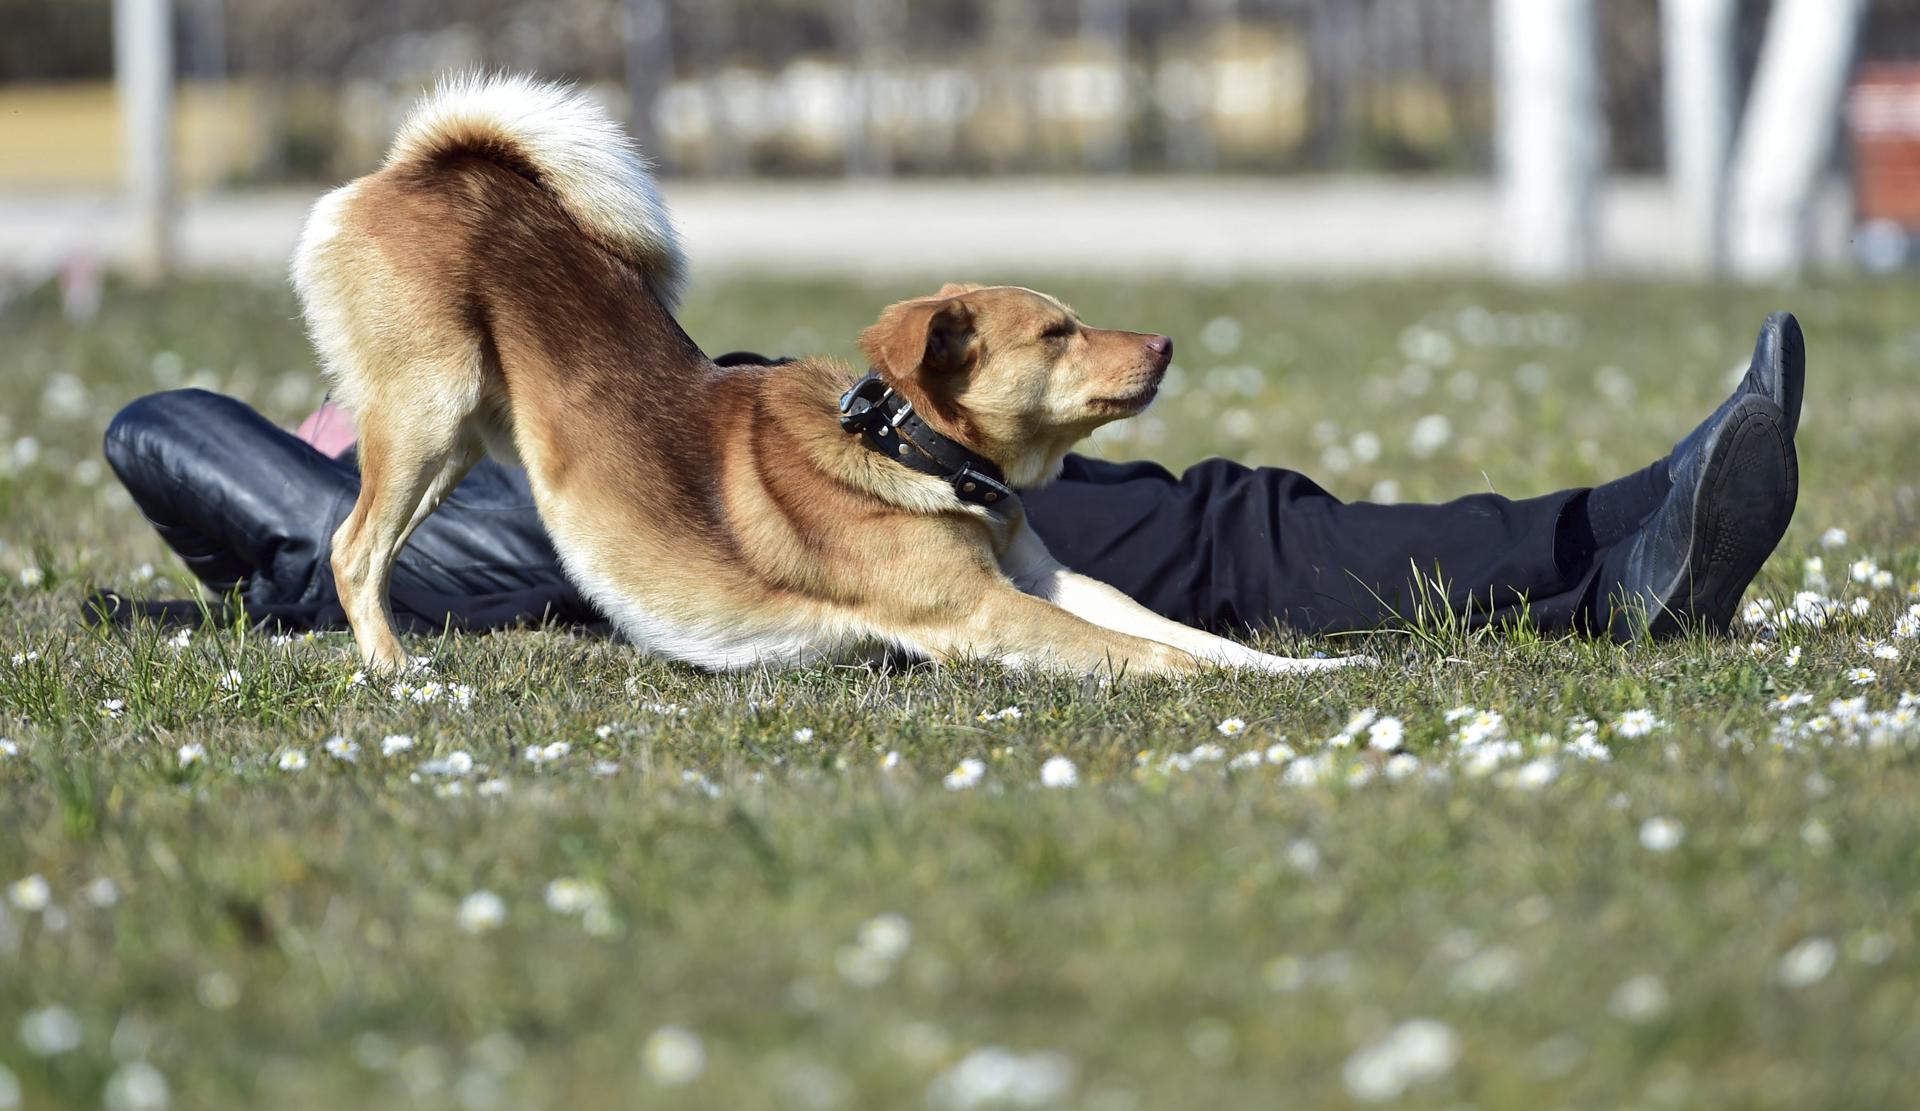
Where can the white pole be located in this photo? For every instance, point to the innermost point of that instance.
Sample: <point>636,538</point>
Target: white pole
<point>1550,136</point>
<point>649,69</point>
<point>1788,132</point>
<point>1103,23</point>
<point>143,66</point>
<point>1698,40</point>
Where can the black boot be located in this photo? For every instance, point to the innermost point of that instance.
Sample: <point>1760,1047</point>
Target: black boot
<point>1734,489</point>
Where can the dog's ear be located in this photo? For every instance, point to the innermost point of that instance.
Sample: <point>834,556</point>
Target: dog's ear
<point>958,289</point>
<point>931,335</point>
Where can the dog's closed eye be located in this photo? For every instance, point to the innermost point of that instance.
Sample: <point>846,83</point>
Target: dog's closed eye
<point>1059,329</point>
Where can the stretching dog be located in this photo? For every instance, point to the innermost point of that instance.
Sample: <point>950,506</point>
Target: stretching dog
<point>504,284</point>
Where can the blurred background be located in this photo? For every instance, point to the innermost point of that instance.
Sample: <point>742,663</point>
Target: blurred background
<point>1543,139</point>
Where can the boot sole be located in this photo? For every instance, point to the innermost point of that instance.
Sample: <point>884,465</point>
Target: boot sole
<point>1782,351</point>
<point>1741,508</point>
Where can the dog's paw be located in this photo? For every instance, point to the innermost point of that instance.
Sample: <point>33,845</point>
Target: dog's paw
<point>1286,665</point>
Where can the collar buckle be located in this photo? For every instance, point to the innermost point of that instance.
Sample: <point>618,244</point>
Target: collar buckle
<point>863,406</point>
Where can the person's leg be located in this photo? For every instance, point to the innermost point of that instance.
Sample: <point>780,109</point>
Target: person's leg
<point>1225,546</point>
<point>247,504</point>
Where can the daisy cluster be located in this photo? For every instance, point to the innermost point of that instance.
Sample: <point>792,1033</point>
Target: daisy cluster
<point>483,911</point>
<point>432,692</point>
<point>1845,722</point>
<point>1474,742</point>
<point>1812,607</point>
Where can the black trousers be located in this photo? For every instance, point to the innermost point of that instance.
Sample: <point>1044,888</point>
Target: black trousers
<point>251,509</point>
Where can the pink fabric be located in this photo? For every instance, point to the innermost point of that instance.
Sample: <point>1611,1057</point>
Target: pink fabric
<point>329,429</point>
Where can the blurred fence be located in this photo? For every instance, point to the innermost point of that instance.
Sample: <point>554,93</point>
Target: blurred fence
<point>309,89</point>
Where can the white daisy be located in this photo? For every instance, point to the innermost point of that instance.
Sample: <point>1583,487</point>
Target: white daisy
<point>191,754</point>
<point>1807,963</point>
<point>572,895</point>
<point>481,911</point>
<point>50,1031</point>
<point>1059,771</point>
<point>1534,774</point>
<point>292,760</point>
<point>342,749</point>
<point>1636,723</point>
<point>393,744</point>
<point>137,1086</point>
<point>1586,746</point>
<point>674,1056</point>
<point>1414,1052</point>
<point>1232,727</point>
<point>1479,727</point>
<point>30,893</point>
<point>966,775</point>
<point>1661,835</point>
<point>1386,734</point>
<point>1401,765</point>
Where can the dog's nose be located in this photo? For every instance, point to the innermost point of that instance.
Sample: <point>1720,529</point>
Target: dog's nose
<point>1162,348</point>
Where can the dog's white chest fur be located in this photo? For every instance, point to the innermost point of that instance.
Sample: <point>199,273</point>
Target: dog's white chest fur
<point>711,645</point>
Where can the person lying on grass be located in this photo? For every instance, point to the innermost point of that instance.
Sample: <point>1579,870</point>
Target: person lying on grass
<point>1673,546</point>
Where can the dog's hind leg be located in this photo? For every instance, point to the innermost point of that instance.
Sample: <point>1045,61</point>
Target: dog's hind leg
<point>411,456</point>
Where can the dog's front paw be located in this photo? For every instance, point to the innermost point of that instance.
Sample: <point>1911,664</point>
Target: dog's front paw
<point>1286,665</point>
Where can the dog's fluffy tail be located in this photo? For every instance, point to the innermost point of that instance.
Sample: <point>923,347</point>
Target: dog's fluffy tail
<point>575,150</point>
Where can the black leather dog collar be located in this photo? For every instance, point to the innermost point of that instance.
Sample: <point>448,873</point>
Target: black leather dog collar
<point>886,423</point>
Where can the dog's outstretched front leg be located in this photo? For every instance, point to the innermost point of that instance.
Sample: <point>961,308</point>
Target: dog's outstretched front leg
<point>1021,631</point>
<point>1035,571</point>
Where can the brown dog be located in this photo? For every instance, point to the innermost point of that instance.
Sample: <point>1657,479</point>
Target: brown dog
<point>504,283</point>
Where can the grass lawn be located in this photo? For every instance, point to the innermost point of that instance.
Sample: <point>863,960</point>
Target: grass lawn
<point>1634,876</point>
